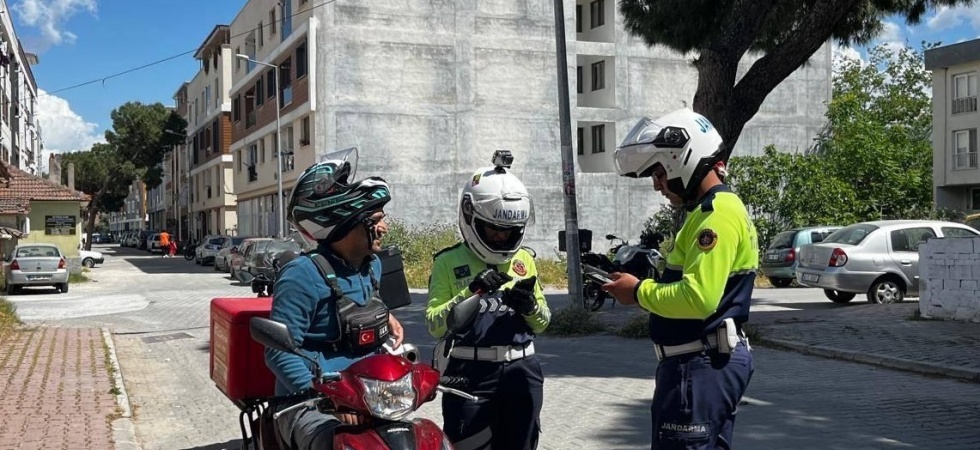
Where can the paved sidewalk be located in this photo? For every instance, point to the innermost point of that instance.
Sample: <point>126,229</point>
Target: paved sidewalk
<point>56,390</point>
<point>890,336</point>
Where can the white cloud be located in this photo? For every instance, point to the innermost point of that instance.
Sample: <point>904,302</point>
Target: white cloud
<point>62,129</point>
<point>946,17</point>
<point>890,31</point>
<point>842,53</point>
<point>49,16</point>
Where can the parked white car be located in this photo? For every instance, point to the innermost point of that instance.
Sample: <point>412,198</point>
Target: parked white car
<point>36,265</point>
<point>90,258</point>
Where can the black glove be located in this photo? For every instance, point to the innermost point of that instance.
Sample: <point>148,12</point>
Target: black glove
<point>521,297</point>
<point>487,281</point>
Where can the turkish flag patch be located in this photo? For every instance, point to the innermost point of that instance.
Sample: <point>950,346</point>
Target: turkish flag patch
<point>366,337</point>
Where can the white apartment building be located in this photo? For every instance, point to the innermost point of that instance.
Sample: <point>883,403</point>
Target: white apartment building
<point>955,121</point>
<point>428,90</point>
<point>208,106</point>
<point>133,214</point>
<point>20,132</point>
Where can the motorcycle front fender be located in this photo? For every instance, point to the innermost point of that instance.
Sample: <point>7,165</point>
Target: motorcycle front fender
<point>419,434</point>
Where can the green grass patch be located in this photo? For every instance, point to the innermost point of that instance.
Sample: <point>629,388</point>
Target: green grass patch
<point>8,316</point>
<point>573,321</point>
<point>418,245</point>
<point>77,278</point>
<point>636,327</point>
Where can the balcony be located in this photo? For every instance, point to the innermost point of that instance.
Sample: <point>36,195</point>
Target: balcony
<point>964,105</point>
<point>963,161</point>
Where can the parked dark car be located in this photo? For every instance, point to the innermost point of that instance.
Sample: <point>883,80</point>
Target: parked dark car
<point>781,258</point>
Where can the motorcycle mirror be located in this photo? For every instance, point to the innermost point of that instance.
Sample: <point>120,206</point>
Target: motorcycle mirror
<point>244,276</point>
<point>271,334</point>
<point>463,314</point>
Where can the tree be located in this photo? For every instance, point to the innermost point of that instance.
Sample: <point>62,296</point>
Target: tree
<point>785,33</point>
<point>879,133</point>
<point>106,176</point>
<point>873,161</point>
<point>138,135</point>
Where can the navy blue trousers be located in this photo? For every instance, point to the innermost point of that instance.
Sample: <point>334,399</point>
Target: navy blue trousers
<point>507,415</point>
<point>696,398</point>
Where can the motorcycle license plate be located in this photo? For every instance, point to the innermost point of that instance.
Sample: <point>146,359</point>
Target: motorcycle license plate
<point>810,277</point>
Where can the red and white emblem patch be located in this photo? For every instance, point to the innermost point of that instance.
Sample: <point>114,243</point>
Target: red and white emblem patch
<point>519,267</point>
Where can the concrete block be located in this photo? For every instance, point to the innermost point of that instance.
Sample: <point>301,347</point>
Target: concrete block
<point>968,284</point>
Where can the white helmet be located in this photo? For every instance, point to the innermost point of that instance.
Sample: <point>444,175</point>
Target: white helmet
<point>494,200</point>
<point>683,142</point>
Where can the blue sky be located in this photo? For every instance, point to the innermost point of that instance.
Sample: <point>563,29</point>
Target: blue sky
<point>82,40</point>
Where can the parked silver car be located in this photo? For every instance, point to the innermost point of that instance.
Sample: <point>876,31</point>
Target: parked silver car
<point>36,265</point>
<point>880,259</point>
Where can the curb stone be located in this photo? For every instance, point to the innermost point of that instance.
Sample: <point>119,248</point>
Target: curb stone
<point>123,429</point>
<point>873,359</point>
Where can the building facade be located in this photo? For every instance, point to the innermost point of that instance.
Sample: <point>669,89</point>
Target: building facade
<point>210,186</point>
<point>427,91</point>
<point>20,132</point>
<point>955,121</point>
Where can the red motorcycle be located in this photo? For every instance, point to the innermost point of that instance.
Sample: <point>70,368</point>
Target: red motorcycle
<point>382,389</point>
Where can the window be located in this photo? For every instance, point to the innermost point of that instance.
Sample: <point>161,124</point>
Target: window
<point>598,18</point>
<point>578,79</point>
<point>975,199</point>
<point>261,150</point>
<point>287,139</point>
<point>581,140</point>
<point>216,138</point>
<point>304,132</point>
<point>261,31</point>
<point>301,60</point>
<point>909,239</point>
<point>578,18</point>
<point>259,98</point>
<point>965,93</point>
<point>852,235</point>
<point>236,114</point>
<point>270,82</point>
<point>598,75</point>
<point>965,149</point>
<point>272,22</point>
<point>287,18</point>
<point>285,83</point>
<point>598,139</point>
<point>274,150</point>
<point>951,232</point>
<point>238,61</point>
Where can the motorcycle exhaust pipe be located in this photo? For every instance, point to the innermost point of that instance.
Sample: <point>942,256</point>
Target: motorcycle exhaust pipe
<point>407,351</point>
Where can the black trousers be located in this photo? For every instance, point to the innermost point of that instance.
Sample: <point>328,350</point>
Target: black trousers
<point>506,417</point>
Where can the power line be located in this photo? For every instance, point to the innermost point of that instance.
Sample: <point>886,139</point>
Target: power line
<point>172,57</point>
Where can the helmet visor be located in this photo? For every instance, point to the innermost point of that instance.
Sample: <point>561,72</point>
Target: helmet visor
<point>644,132</point>
<point>499,238</point>
<point>340,157</point>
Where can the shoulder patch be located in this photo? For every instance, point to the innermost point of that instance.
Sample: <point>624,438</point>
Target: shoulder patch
<point>461,271</point>
<point>530,250</point>
<point>519,268</point>
<point>436,254</point>
<point>707,239</point>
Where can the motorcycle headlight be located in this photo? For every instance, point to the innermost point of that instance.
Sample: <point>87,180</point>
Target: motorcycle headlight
<point>389,400</point>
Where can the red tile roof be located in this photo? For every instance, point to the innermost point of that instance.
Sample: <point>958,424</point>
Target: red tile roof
<point>19,188</point>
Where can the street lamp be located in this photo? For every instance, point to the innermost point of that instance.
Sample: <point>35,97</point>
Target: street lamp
<point>282,212</point>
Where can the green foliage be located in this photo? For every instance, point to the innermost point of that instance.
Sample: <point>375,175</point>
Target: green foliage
<point>786,33</point>
<point>138,135</point>
<point>8,316</point>
<point>418,245</point>
<point>873,161</point>
<point>573,320</point>
<point>636,327</point>
<point>76,278</point>
<point>552,272</point>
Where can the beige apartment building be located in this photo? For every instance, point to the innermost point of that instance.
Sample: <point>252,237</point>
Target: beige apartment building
<point>277,33</point>
<point>955,121</point>
<point>210,185</point>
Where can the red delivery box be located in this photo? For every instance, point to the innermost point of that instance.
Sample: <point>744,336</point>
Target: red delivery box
<point>237,361</point>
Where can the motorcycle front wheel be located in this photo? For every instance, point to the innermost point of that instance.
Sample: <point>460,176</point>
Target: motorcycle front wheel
<point>593,297</point>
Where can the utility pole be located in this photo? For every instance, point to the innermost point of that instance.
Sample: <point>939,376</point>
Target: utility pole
<point>567,162</point>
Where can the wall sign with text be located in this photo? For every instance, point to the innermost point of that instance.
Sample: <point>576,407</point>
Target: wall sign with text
<point>59,225</point>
